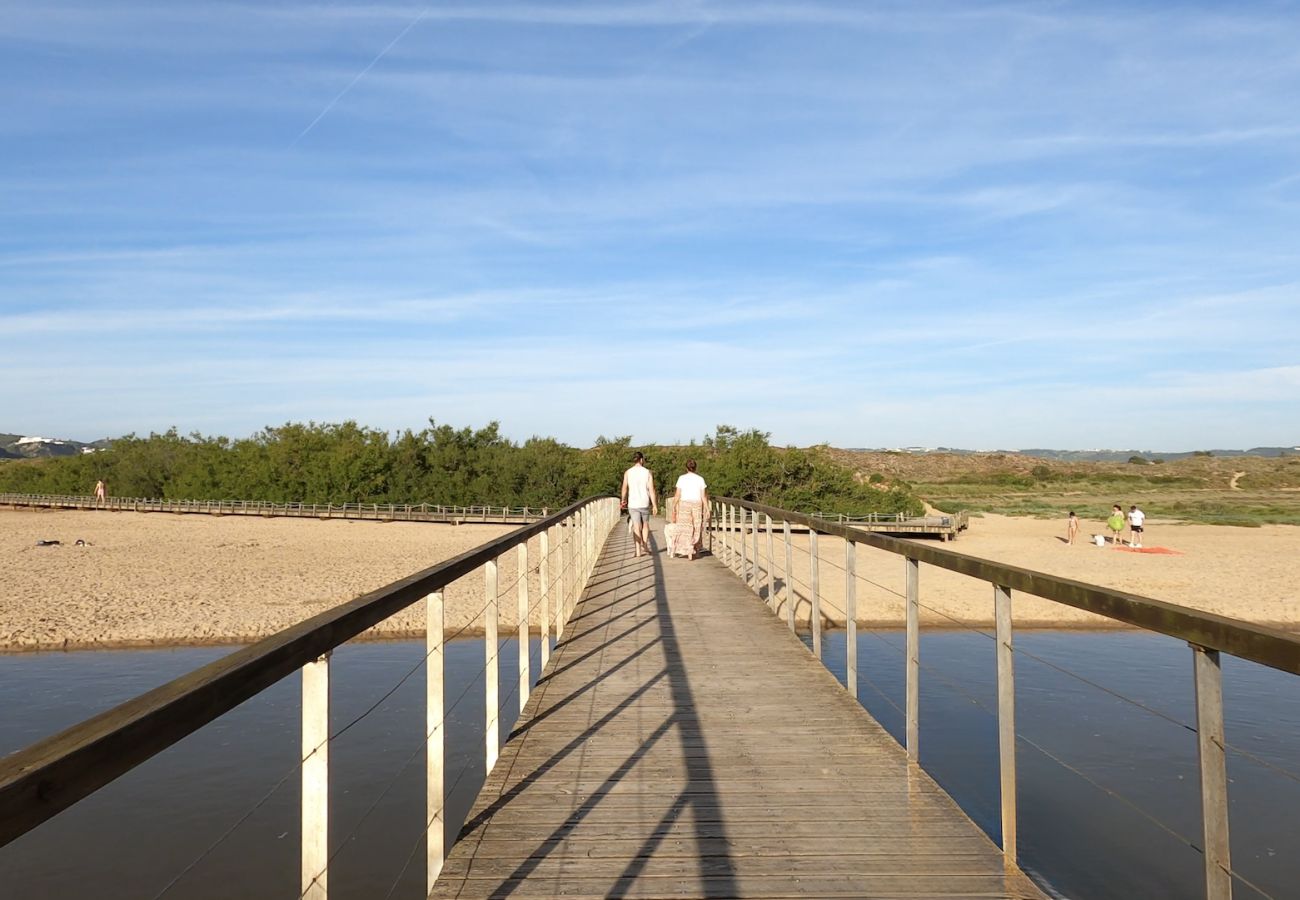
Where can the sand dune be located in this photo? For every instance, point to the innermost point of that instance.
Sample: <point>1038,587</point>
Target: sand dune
<point>168,579</point>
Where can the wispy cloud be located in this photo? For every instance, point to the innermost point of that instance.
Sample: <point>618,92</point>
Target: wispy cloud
<point>970,218</point>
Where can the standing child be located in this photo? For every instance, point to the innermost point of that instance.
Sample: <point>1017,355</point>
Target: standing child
<point>1071,528</point>
<point>1115,523</point>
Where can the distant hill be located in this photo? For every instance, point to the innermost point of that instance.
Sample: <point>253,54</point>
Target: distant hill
<point>1089,455</point>
<point>18,446</point>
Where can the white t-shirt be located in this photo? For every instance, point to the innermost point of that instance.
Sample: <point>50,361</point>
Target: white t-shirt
<point>638,487</point>
<point>692,487</point>
<point>1136,517</point>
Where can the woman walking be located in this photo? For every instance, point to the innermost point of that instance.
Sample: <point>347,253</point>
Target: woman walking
<point>691,504</point>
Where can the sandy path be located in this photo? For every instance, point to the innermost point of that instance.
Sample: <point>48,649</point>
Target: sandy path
<point>151,578</point>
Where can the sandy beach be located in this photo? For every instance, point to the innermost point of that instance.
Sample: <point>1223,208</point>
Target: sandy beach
<point>1245,573</point>
<point>158,579</point>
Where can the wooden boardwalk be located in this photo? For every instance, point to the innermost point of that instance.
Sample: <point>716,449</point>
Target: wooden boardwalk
<point>683,743</point>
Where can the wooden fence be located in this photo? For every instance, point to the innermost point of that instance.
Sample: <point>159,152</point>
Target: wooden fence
<point>743,530</point>
<point>53,774</point>
<point>383,512</point>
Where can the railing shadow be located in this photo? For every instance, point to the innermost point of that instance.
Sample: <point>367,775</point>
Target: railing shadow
<point>712,848</point>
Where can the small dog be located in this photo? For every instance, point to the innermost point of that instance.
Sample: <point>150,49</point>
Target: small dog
<point>677,539</point>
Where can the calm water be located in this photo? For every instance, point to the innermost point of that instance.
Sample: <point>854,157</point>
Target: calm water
<point>1078,828</point>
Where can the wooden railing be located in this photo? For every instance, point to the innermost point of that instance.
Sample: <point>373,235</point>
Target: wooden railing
<point>388,512</point>
<point>741,531</point>
<point>55,773</point>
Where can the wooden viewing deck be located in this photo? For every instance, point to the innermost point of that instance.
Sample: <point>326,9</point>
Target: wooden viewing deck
<point>683,742</point>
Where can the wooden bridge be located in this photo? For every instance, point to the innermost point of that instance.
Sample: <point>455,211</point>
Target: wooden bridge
<point>684,743</point>
<point>375,512</point>
<point>681,740</point>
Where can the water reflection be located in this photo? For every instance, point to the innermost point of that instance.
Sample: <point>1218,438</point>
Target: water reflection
<point>1109,792</point>
<point>134,836</point>
<point>1088,762</point>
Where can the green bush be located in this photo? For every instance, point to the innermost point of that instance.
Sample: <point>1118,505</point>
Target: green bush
<point>347,462</point>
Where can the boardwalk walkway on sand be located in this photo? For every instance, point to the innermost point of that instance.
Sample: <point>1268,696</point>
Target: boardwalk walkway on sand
<point>684,743</point>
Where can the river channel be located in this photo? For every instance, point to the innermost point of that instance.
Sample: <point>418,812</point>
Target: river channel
<point>1108,788</point>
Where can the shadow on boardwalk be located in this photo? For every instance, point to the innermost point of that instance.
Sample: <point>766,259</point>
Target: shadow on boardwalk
<point>685,744</point>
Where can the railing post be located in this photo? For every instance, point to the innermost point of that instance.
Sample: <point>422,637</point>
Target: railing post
<point>1214,772</point>
<point>315,778</point>
<point>789,576</point>
<point>435,738</point>
<point>754,560</point>
<point>726,534</point>
<point>544,575</point>
<point>771,565</point>
<point>815,614</point>
<point>744,548</point>
<point>564,533</point>
<point>1006,719</point>
<point>524,654</point>
<point>851,617</point>
<point>584,533</point>
<point>492,729</point>
<point>913,571</point>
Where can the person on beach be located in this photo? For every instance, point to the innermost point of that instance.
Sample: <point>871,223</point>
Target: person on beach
<point>1071,528</point>
<point>691,505</point>
<point>1136,520</point>
<point>1115,523</point>
<point>100,491</point>
<point>638,496</point>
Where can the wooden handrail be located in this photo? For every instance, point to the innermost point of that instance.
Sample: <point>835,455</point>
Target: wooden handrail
<point>1207,635</point>
<point>52,774</point>
<point>1246,640</point>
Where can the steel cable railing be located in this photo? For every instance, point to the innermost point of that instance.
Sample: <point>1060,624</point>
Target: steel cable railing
<point>1208,636</point>
<point>580,528</point>
<point>473,681</point>
<point>377,704</point>
<point>1137,808</point>
<point>1020,651</point>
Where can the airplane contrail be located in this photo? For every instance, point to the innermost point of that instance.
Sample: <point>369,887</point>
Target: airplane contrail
<point>351,84</point>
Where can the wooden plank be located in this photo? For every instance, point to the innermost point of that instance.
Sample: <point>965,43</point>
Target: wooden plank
<point>315,778</point>
<point>683,743</point>
<point>435,737</point>
<point>1208,678</point>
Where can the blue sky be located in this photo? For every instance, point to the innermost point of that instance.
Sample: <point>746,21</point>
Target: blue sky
<point>869,224</point>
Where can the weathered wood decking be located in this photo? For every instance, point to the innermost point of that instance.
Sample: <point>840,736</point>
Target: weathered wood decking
<point>683,743</point>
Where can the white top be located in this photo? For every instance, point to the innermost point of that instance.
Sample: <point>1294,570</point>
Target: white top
<point>1136,517</point>
<point>638,487</point>
<point>692,487</point>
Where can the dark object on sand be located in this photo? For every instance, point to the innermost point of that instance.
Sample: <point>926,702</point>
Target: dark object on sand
<point>47,543</point>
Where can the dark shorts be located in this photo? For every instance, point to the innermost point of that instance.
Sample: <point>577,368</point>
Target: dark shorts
<point>1137,529</point>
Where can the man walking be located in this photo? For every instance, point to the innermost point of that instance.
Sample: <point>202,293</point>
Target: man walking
<point>1136,518</point>
<point>638,495</point>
